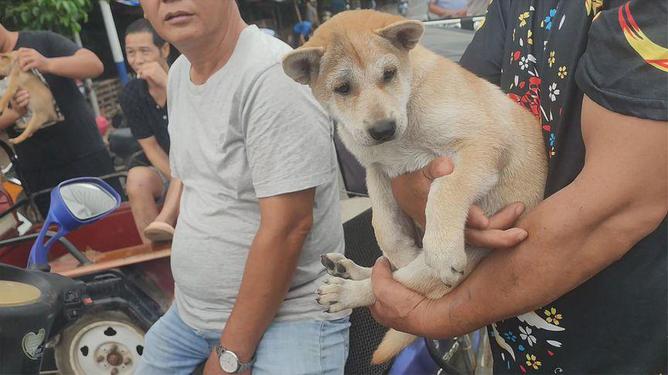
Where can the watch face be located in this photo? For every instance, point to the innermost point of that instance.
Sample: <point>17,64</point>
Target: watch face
<point>229,362</point>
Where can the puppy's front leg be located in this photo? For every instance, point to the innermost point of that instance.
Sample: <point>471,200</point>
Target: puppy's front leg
<point>395,231</point>
<point>448,204</point>
<point>339,294</point>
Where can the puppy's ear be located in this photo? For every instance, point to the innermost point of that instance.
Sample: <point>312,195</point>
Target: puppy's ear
<point>403,34</point>
<point>303,64</point>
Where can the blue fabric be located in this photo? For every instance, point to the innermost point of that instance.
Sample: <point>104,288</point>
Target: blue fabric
<point>289,347</point>
<point>452,4</point>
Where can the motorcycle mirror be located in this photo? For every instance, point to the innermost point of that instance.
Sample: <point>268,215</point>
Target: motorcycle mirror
<point>74,203</point>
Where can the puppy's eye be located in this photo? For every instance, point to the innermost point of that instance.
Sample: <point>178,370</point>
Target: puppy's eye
<point>343,89</point>
<point>388,74</point>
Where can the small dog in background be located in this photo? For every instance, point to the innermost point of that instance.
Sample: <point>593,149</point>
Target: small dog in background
<point>42,104</point>
<point>399,106</point>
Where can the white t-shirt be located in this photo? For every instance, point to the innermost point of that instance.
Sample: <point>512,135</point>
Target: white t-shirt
<point>248,132</point>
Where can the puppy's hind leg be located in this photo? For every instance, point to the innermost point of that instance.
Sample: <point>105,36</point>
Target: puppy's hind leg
<point>340,294</point>
<point>36,121</point>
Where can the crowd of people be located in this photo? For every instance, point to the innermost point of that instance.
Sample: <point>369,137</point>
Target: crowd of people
<point>240,173</point>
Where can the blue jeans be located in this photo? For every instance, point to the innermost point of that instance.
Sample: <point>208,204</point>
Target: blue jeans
<point>291,348</point>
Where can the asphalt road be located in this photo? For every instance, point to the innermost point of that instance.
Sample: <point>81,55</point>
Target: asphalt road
<point>450,42</point>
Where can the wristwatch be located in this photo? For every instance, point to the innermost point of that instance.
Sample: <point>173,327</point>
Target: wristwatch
<point>229,361</point>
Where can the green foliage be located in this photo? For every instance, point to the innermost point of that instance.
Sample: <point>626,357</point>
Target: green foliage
<point>62,16</point>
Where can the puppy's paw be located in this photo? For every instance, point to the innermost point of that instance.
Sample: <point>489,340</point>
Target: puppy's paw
<point>340,266</point>
<point>339,294</point>
<point>446,257</point>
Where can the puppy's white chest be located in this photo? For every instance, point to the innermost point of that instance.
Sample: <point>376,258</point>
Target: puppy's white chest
<point>404,158</point>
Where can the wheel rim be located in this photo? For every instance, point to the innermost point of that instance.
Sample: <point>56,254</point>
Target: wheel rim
<point>106,347</point>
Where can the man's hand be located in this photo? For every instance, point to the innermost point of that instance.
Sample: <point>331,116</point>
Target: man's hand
<point>411,191</point>
<point>396,306</point>
<point>20,102</point>
<point>153,73</point>
<point>31,59</point>
<point>212,366</point>
<point>401,308</point>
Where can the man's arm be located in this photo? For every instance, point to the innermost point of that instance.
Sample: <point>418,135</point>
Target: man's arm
<point>285,222</point>
<point>442,12</point>
<point>19,107</point>
<point>155,154</point>
<point>8,118</point>
<point>616,200</point>
<point>81,65</point>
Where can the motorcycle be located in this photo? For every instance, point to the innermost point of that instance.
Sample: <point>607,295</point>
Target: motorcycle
<point>35,305</point>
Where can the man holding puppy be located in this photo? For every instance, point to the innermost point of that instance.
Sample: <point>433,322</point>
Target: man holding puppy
<point>67,149</point>
<point>590,260</point>
<point>259,206</point>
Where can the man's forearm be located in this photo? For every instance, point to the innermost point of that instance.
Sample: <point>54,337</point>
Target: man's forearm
<point>160,160</point>
<point>433,8</point>
<point>268,273</point>
<point>573,235</point>
<point>83,64</point>
<point>8,118</point>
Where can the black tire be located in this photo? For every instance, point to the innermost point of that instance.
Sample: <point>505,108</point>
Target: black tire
<point>98,334</point>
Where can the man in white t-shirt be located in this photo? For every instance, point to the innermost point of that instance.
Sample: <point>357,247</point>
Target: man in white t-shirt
<point>254,152</point>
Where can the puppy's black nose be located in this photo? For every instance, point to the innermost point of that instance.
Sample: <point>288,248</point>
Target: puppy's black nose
<point>383,130</point>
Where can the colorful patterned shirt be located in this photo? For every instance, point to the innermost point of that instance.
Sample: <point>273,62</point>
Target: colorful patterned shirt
<point>546,55</point>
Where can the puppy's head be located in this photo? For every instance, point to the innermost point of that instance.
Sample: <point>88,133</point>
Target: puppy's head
<point>6,63</point>
<point>358,68</point>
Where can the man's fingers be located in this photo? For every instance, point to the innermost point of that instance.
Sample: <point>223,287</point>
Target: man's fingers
<point>22,96</point>
<point>477,218</point>
<point>439,167</point>
<point>495,238</point>
<point>381,273</point>
<point>507,217</point>
<point>382,282</point>
<point>26,64</point>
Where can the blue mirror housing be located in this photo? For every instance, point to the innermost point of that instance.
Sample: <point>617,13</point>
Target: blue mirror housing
<point>74,203</point>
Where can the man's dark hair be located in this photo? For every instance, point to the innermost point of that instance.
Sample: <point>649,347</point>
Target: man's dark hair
<point>143,26</point>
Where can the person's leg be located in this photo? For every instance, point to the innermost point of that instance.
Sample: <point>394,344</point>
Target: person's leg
<point>335,332</point>
<point>162,227</point>
<point>303,347</point>
<point>172,347</point>
<point>144,186</point>
<point>170,207</point>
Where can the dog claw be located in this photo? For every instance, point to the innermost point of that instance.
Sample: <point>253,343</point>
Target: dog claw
<point>453,269</point>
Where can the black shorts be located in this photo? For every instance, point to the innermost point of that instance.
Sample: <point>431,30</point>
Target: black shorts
<point>93,165</point>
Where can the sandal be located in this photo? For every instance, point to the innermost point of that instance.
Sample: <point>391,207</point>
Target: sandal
<point>158,231</point>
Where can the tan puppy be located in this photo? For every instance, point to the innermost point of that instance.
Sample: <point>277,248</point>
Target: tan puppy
<point>41,100</point>
<point>399,106</point>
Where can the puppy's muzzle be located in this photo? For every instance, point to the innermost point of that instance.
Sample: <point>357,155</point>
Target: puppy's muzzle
<point>383,130</point>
